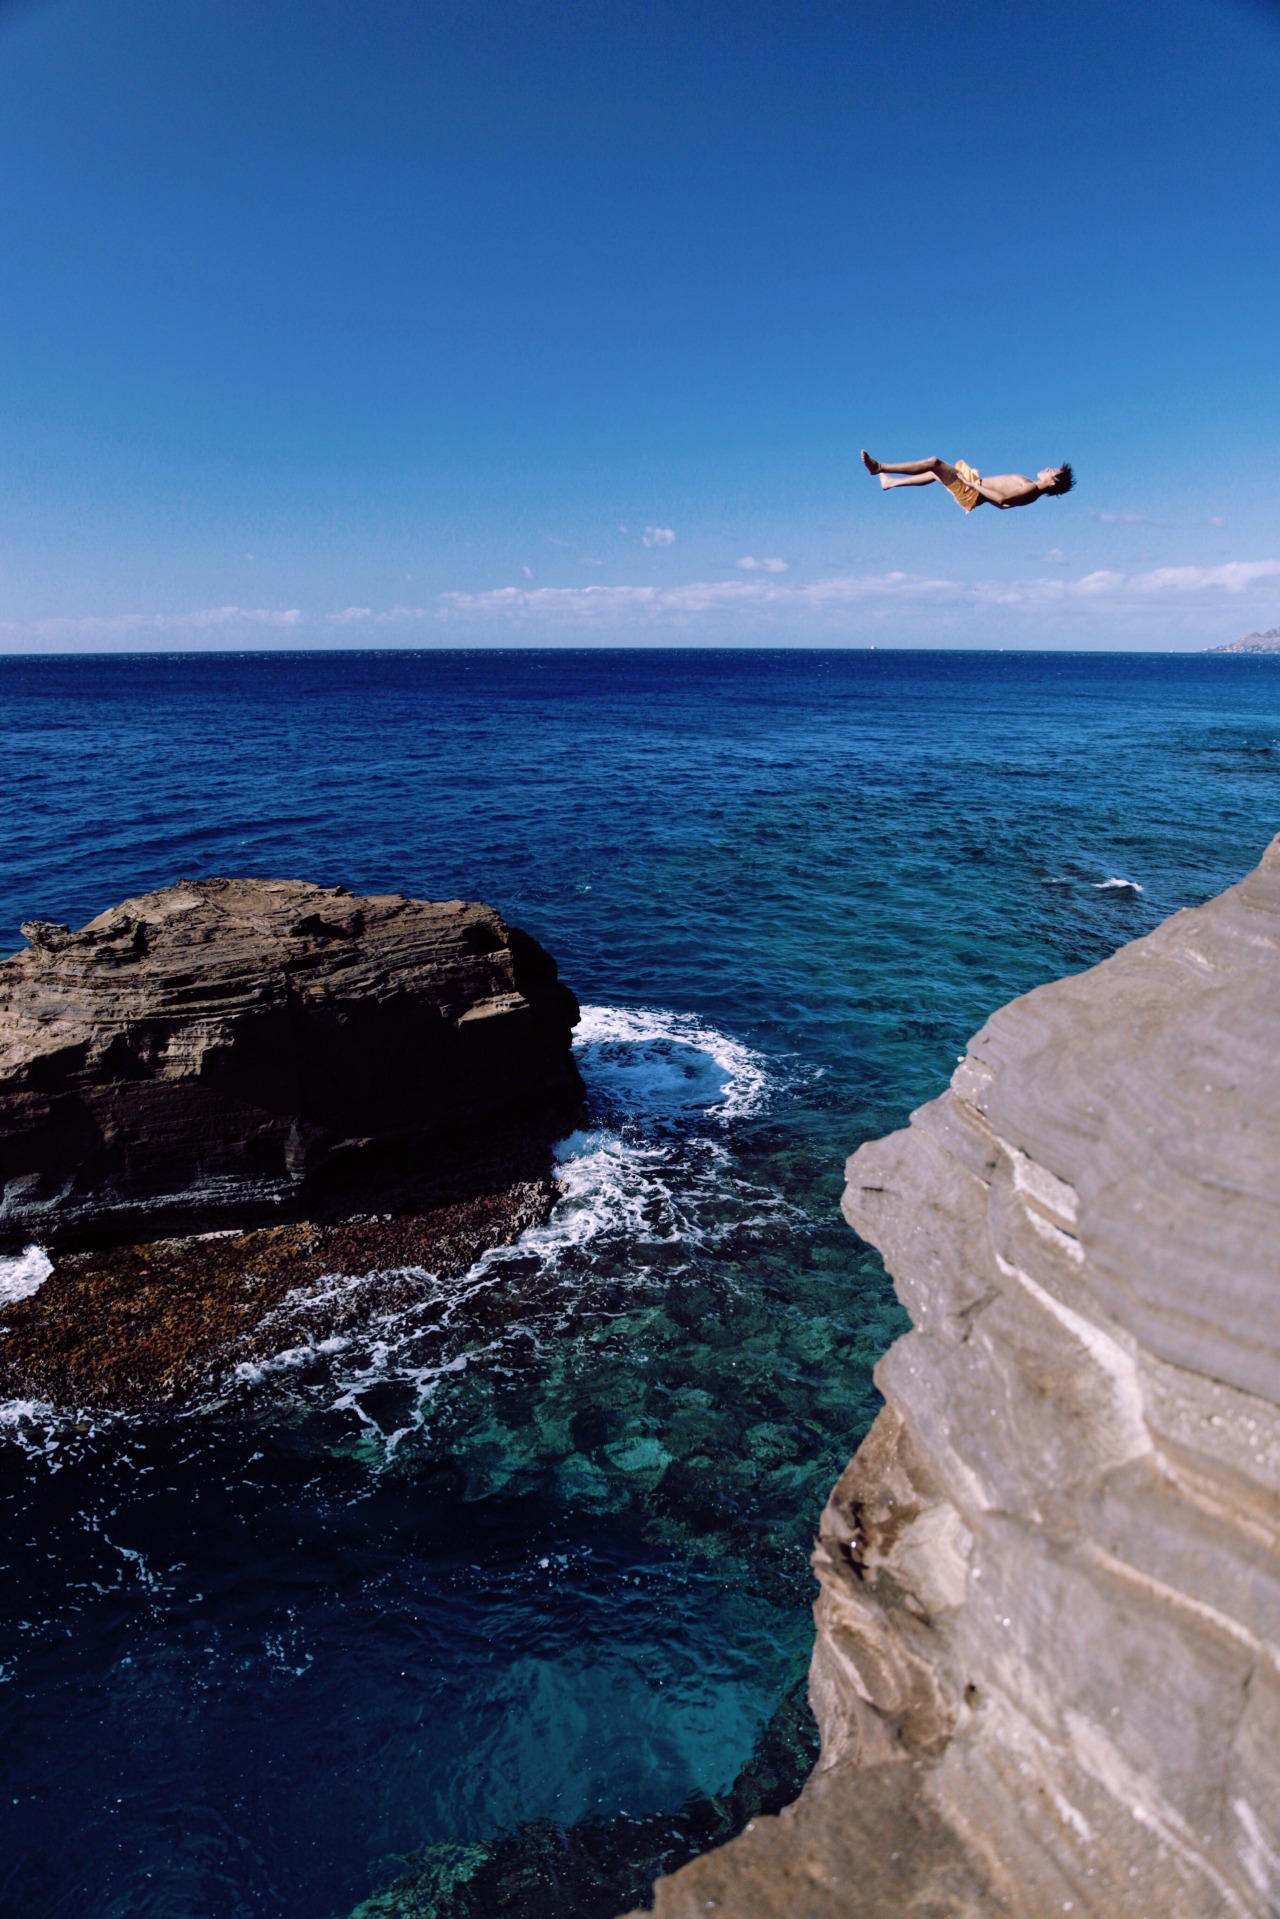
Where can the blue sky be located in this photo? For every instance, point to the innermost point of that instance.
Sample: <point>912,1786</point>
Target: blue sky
<point>324,323</point>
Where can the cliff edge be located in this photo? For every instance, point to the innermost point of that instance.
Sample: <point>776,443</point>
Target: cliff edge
<point>1047,1667</point>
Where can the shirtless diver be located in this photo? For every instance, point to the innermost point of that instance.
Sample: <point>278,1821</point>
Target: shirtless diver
<point>968,486</point>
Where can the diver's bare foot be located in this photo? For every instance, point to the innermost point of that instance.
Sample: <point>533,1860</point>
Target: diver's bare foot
<point>872,466</point>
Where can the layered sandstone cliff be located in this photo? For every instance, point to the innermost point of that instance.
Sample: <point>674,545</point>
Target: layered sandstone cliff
<point>1047,1668</point>
<point>227,1051</point>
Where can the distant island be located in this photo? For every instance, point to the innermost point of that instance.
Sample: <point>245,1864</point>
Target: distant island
<point>1268,642</point>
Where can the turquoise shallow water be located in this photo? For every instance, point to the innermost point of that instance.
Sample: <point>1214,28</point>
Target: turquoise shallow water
<point>488,1608</point>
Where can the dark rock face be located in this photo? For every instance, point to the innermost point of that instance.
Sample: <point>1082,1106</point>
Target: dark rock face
<point>227,1051</point>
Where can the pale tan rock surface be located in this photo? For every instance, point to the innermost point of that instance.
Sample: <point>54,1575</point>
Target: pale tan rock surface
<point>1047,1668</point>
<point>226,1051</point>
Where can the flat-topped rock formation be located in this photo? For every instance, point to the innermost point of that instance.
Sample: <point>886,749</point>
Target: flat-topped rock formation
<point>1047,1669</point>
<point>225,1052</point>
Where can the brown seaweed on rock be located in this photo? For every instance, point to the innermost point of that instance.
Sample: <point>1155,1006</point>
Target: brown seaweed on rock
<point>130,1328</point>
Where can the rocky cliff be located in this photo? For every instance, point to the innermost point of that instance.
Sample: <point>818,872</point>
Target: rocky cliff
<point>1047,1668</point>
<point>226,1051</point>
<point>1268,642</point>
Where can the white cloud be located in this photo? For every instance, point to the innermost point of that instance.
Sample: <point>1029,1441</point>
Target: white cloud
<point>1143,519</point>
<point>658,536</point>
<point>1235,577</point>
<point>589,604</point>
<point>750,565</point>
<point>764,599</point>
<point>119,625</point>
<point>399,615</point>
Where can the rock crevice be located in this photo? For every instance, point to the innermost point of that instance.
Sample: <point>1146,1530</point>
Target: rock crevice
<point>1047,1667</point>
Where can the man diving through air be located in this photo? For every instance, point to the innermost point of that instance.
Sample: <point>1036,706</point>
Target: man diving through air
<point>969,487</point>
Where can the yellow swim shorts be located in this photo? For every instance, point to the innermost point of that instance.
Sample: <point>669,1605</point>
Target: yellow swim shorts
<point>963,489</point>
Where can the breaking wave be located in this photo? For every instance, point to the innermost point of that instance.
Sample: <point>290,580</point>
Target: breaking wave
<point>645,1185</point>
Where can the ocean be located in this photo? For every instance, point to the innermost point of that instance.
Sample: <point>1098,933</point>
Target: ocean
<point>500,1603</point>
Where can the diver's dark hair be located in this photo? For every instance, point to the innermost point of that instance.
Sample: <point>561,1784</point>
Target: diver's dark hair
<point>1065,481</point>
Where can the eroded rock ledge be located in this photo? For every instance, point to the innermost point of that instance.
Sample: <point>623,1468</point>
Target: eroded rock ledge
<point>1047,1668</point>
<point>227,1052</point>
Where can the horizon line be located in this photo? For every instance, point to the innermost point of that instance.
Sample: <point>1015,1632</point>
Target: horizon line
<point>284,650</point>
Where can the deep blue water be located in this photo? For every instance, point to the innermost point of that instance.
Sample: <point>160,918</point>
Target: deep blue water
<point>533,1554</point>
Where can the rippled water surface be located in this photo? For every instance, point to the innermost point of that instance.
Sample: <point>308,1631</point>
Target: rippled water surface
<point>493,1605</point>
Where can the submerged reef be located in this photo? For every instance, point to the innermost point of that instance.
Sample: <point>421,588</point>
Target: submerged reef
<point>226,1052</point>
<point>548,1871</point>
<point>1047,1667</point>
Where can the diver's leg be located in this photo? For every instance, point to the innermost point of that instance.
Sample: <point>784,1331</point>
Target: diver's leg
<point>914,479</point>
<point>936,469</point>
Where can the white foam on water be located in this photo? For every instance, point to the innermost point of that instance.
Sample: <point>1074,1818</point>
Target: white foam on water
<point>607,1184</point>
<point>621,1206</point>
<point>628,1178</point>
<point>16,1413</point>
<point>26,1420</point>
<point>1117,885</point>
<point>645,1184</point>
<point>22,1274</point>
<point>252,1372</point>
<point>655,1062</point>
<point>34,1427</point>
